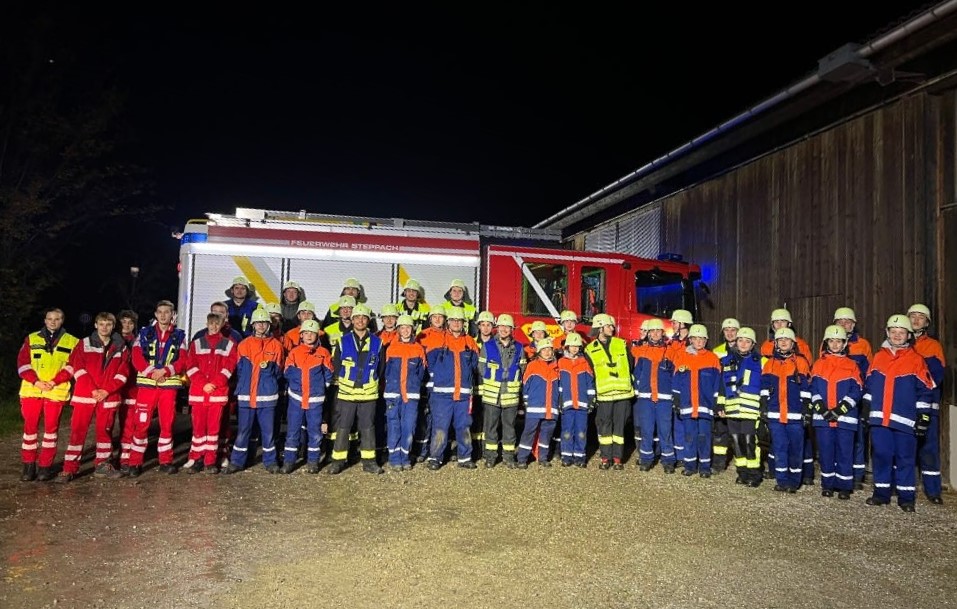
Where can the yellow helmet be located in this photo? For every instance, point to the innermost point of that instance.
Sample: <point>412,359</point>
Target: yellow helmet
<point>485,316</point>
<point>845,313</point>
<point>748,333</point>
<point>456,313</point>
<point>272,307</point>
<point>260,314</point>
<point>781,315</point>
<point>539,326</point>
<point>437,310</point>
<point>698,330</point>
<point>310,325</point>
<point>543,344</point>
<point>731,322</point>
<point>682,316</point>
<point>609,320</point>
<point>598,320</point>
<point>505,320</point>
<point>361,310</point>
<point>405,320</point>
<point>305,305</point>
<point>291,285</point>
<point>568,315</point>
<point>644,325</point>
<point>240,280</point>
<point>389,310</point>
<point>345,301</point>
<point>784,333</point>
<point>412,284</point>
<point>457,283</point>
<point>836,331</point>
<point>919,308</point>
<point>900,321</point>
<point>574,340</point>
<point>654,324</point>
<point>351,282</point>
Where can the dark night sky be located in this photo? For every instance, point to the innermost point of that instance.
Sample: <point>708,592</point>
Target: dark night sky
<point>504,114</point>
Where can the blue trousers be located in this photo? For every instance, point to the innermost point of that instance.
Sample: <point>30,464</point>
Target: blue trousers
<point>244,427</point>
<point>447,413</point>
<point>574,435</point>
<point>928,453</point>
<point>296,420</point>
<point>400,418</point>
<point>787,443</point>
<point>697,453</point>
<point>892,449</point>
<point>860,452</point>
<point>544,428</point>
<point>423,429</point>
<point>807,467</point>
<point>656,421</point>
<point>680,442</point>
<point>835,447</point>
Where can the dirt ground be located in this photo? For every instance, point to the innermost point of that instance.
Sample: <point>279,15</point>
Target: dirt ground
<point>486,538</point>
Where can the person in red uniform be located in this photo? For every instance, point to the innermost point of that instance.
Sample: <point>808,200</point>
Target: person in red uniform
<point>99,367</point>
<point>129,331</point>
<point>158,357</point>
<point>210,363</point>
<point>44,389</point>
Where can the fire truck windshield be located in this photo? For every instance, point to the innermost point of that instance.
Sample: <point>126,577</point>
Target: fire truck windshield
<point>659,293</point>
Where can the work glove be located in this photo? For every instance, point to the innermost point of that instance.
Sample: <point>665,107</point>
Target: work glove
<point>763,409</point>
<point>923,424</point>
<point>830,415</point>
<point>818,407</point>
<point>592,404</point>
<point>676,403</point>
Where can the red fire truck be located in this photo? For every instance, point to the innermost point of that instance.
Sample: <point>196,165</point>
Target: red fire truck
<point>520,271</point>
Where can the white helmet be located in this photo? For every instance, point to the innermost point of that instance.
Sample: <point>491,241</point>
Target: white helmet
<point>456,313</point>
<point>682,316</point>
<point>272,307</point>
<point>539,326</point>
<point>310,325</point>
<point>361,310</point>
<point>731,322</point>
<point>836,331</point>
<point>351,282</point>
<point>260,314</point>
<point>653,324</point>
<point>845,313</point>
<point>485,316</point>
<point>698,330</point>
<point>574,340</point>
<point>900,321</point>
<point>437,310</point>
<point>412,284</point>
<point>599,320</point>
<point>505,320</point>
<point>305,305</point>
<point>345,301</point>
<point>781,315</point>
<point>404,320</point>
<point>784,333</point>
<point>389,310</point>
<point>568,315</point>
<point>919,308</point>
<point>748,333</point>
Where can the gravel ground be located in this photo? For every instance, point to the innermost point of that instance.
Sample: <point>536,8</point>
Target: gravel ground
<point>486,538</point>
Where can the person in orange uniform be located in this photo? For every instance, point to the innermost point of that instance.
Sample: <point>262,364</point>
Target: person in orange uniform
<point>210,364</point>
<point>159,357</point>
<point>258,372</point>
<point>836,389</point>
<point>452,369</point>
<point>539,331</point>
<point>404,372</point>
<point>540,387</point>
<point>44,389</point>
<point>290,339</point>
<point>859,351</point>
<point>652,410</point>
<point>568,320</point>
<point>100,367</point>
<point>577,386</point>
<point>898,393</point>
<point>681,322</point>
<point>390,331</point>
<point>432,337</point>
<point>928,444</point>
<point>786,392</point>
<point>696,386</point>
<point>308,375</point>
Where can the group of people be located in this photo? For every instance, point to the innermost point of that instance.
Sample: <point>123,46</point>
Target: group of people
<point>449,370</point>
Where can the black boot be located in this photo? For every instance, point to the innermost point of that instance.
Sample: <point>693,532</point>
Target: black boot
<point>371,467</point>
<point>29,472</point>
<point>44,474</point>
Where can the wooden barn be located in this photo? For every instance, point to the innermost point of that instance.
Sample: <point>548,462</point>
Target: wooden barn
<point>840,190</point>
